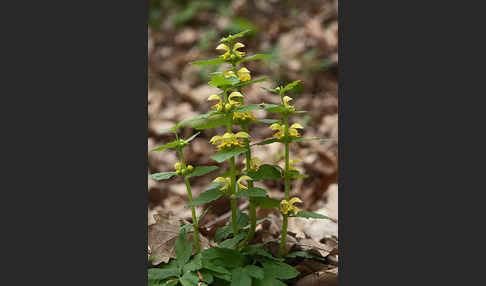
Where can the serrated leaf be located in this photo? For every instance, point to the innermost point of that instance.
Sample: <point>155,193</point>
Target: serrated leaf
<point>251,192</point>
<point>186,282</point>
<point>191,120</point>
<point>191,277</point>
<point>290,86</point>
<point>194,264</point>
<point>272,90</point>
<point>232,242</point>
<point>171,282</point>
<point>235,36</point>
<point>267,203</point>
<point>162,176</point>
<point>192,137</point>
<point>307,214</point>
<point>253,58</point>
<point>248,107</point>
<point>215,268</point>
<point>275,108</point>
<point>221,81</point>
<point>169,145</point>
<point>254,271</point>
<point>267,171</point>
<point>206,197</point>
<point>159,274</point>
<point>211,123</point>
<point>207,276</point>
<point>225,155</point>
<point>302,254</point>
<point>279,269</point>
<point>245,83</point>
<point>267,141</point>
<point>256,250</point>
<point>309,139</point>
<point>208,62</point>
<point>239,277</point>
<point>222,233</point>
<point>201,171</point>
<point>224,257</point>
<point>183,252</point>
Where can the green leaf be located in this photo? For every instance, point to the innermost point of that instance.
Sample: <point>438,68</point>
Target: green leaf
<point>224,257</point>
<point>194,119</point>
<point>172,282</point>
<point>169,145</point>
<point>267,203</point>
<point>208,62</point>
<point>275,108</point>
<point>267,171</point>
<point>207,276</point>
<point>251,192</point>
<point>245,83</point>
<point>183,252</point>
<point>258,222</point>
<point>309,139</point>
<point>162,176</point>
<point>194,264</point>
<point>206,197</point>
<point>211,123</point>
<point>186,282</point>
<point>304,254</point>
<point>225,155</point>
<point>268,141</point>
<point>279,269</point>
<point>253,58</point>
<point>232,37</point>
<point>267,121</point>
<point>190,277</point>
<point>290,86</point>
<point>272,90</point>
<point>222,233</point>
<point>240,278</point>
<point>248,107</point>
<point>215,268</point>
<point>307,214</point>
<point>254,271</point>
<point>159,274</point>
<point>221,81</point>
<point>232,242</point>
<point>256,250</point>
<point>192,137</point>
<point>201,171</point>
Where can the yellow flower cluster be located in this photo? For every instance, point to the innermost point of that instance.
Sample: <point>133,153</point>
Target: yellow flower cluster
<point>227,182</point>
<point>292,163</point>
<point>228,106</point>
<point>281,130</point>
<point>253,164</point>
<point>227,54</point>
<point>182,171</point>
<point>288,206</point>
<point>229,140</point>
<point>243,116</point>
<point>243,74</point>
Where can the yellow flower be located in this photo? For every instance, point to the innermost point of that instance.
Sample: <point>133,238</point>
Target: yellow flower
<point>235,49</point>
<point>243,116</point>
<point>177,166</point>
<point>224,48</point>
<point>226,181</point>
<point>292,163</point>
<point>286,100</point>
<point>288,206</point>
<point>253,163</point>
<point>281,130</point>
<point>244,74</point>
<point>229,140</point>
<point>233,95</point>
<point>228,74</point>
<point>219,105</point>
<point>240,185</point>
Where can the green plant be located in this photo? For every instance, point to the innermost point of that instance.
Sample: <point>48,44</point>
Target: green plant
<point>235,262</point>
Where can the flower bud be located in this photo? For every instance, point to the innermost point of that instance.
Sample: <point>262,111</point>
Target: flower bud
<point>184,172</point>
<point>177,166</point>
<point>228,106</point>
<point>179,172</point>
<point>190,168</point>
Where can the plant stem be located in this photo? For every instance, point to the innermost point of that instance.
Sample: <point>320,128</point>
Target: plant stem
<point>251,232</point>
<point>287,185</point>
<point>234,205</point>
<point>193,209</point>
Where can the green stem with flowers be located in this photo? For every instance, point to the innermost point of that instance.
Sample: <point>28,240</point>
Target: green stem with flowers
<point>287,183</point>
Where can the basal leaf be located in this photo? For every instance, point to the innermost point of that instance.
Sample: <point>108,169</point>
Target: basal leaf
<point>254,271</point>
<point>159,274</point>
<point>183,252</point>
<point>190,277</point>
<point>194,264</point>
<point>232,242</point>
<point>279,269</point>
<point>206,197</point>
<point>207,276</point>
<point>239,277</point>
<point>207,264</point>
<point>258,222</point>
<point>225,155</point>
<point>208,62</point>
<point>201,171</point>
<point>224,257</point>
<point>308,214</point>
<point>162,176</point>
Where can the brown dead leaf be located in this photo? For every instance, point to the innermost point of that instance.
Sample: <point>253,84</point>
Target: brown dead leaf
<point>321,278</point>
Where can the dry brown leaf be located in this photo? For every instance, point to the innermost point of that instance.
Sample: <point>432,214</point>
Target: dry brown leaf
<point>321,278</point>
